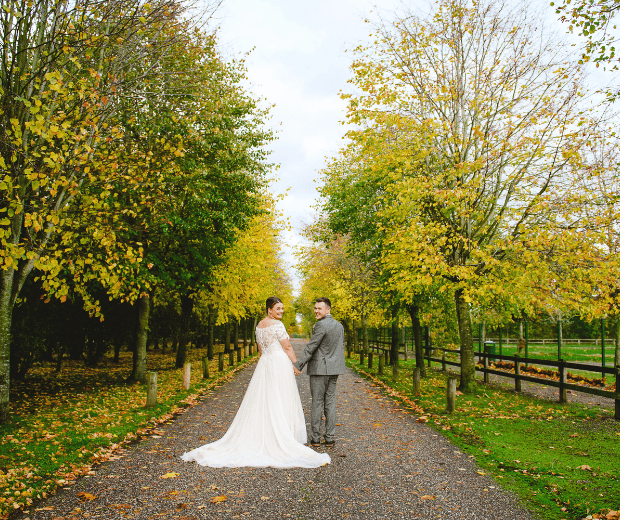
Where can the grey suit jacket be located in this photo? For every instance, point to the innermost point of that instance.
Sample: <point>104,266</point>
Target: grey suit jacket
<point>324,353</point>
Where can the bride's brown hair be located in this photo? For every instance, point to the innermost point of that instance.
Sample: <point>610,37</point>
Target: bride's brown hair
<point>271,301</point>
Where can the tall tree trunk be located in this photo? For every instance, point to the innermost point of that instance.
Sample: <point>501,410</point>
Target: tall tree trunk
<point>11,282</point>
<point>210,338</point>
<point>244,327</point>
<point>394,338</point>
<point>414,313</point>
<point>347,335</point>
<point>59,359</point>
<point>187,306</point>
<point>6,319</point>
<point>468,363</point>
<point>364,334</point>
<point>139,352</point>
<point>253,331</point>
<point>355,337</point>
<point>227,337</point>
<point>235,340</point>
<point>118,344</point>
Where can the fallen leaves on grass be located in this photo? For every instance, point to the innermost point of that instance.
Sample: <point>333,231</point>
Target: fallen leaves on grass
<point>81,416</point>
<point>547,373</point>
<point>604,515</point>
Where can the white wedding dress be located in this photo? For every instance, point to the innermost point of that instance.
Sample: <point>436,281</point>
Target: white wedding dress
<point>269,428</point>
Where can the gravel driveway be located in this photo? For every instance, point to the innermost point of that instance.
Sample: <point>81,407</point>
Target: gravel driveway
<point>384,465</point>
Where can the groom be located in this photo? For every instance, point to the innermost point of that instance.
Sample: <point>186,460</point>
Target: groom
<point>324,355</point>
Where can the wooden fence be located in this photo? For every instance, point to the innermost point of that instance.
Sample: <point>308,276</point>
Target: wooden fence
<point>485,359</point>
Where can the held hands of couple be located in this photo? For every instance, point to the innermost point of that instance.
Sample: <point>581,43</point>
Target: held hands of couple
<point>297,372</point>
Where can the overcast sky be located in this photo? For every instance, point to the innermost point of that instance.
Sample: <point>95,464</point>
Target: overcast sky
<point>298,63</point>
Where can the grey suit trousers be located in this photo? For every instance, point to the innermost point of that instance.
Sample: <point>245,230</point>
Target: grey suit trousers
<point>323,390</point>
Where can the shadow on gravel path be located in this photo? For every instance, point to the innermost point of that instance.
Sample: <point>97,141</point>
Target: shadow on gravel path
<point>384,465</point>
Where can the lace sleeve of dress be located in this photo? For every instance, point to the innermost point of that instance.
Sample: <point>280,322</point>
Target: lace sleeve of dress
<point>281,332</point>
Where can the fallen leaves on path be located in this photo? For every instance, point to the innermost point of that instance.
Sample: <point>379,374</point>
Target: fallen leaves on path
<point>220,498</point>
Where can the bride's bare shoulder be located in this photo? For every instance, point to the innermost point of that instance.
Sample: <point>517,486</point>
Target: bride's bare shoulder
<point>264,323</point>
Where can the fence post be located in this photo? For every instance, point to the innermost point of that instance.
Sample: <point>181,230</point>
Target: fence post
<point>381,364</point>
<point>370,356</point>
<point>187,373</point>
<point>416,381</point>
<point>239,358</point>
<point>443,361</point>
<point>451,394</point>
<point>486,368</point>
<point>427,342</point>
<point>151,390</point>
<point>231,357</point>
<point>517,374</point>
<point>220,362</point>
<point>205,368</point>
<point>562,381</point>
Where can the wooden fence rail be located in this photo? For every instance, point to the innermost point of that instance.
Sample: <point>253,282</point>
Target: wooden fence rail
<point>519,362</point>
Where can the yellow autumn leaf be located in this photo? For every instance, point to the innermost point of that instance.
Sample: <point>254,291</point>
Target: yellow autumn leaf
<point>170,474</point>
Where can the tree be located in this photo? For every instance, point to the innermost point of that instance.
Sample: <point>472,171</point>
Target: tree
<point>595,22</point>
<point>252,271</point>
<point>473,115</point>
<point>62,65</point>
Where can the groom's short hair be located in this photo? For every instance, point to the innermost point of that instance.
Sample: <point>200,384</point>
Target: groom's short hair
<point>325,301</point>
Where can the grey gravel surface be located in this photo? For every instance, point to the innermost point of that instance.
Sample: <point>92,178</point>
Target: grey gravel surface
<point>384,465</point>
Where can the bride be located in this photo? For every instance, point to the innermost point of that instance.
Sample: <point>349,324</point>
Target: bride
<point>269,428</point>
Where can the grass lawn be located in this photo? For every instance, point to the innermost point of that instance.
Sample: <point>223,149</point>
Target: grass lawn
<point>62,423</point>
<point>562,460</point>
